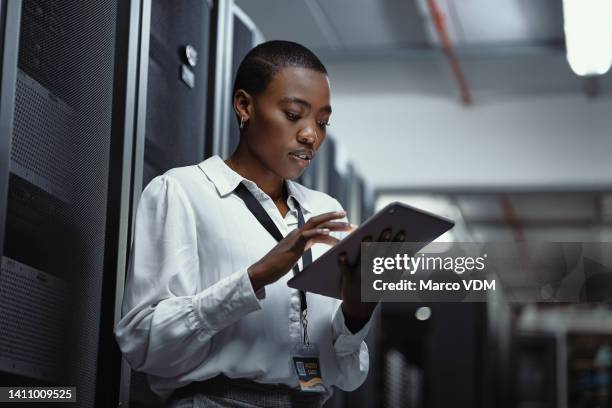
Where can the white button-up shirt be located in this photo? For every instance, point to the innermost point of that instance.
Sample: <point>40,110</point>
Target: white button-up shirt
<point>189,309</point>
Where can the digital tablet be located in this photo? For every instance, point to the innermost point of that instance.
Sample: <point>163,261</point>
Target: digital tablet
<point>323,275</point>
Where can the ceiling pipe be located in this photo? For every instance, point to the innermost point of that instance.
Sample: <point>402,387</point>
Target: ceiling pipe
<point>447,46</point>
<point>511,217</point>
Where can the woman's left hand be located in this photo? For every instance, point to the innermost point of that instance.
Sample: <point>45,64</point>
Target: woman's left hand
<point>352,306</point>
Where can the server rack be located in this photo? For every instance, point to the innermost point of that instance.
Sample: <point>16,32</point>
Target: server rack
<point>338,182</point>
<point>177,85</point>
<point>198,126</point>
<point>245,35</point>
<point>172,119</point>
<point>219,82</point>
<point>367,201</point>
<point>321,166</point>
<point>353,194</point>
<point>9,48</point>
<point>69,96</point>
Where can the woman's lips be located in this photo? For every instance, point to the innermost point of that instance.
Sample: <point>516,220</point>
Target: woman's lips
<point>303,153</point>
<point>303,161</point>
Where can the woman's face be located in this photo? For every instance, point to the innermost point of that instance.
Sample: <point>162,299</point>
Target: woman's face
<point>287,121</point>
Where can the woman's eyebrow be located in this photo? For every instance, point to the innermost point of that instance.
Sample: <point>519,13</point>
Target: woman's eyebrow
<point>304,103</point>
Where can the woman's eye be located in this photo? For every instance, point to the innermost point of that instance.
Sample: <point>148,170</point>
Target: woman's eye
<point>292,116</point>
<point>323,125</point>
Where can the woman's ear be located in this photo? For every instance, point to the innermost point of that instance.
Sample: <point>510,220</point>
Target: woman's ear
<point>243,104</point>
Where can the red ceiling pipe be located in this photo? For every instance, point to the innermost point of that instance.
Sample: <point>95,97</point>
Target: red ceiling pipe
<point>511,217</point>
<point>438,18</point>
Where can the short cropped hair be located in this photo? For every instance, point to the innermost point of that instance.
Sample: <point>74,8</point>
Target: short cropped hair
<point>261,64</point>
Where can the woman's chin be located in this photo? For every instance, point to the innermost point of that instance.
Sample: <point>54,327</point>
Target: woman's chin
<point>293,176</point>
<point>293,172</point>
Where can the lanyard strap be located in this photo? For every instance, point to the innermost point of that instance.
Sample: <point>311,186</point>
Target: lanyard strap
<point>264,219</point>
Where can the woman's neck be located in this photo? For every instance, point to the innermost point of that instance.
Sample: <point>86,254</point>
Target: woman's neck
<point>251,168</point>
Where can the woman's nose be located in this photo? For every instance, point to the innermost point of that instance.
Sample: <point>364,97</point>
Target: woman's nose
<point>307,135</point>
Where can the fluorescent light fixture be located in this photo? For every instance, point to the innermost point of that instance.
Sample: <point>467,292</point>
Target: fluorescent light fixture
<point>588,35</point>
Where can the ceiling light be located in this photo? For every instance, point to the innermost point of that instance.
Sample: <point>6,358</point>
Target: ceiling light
<point>423,313</point>
<point>588,35</point>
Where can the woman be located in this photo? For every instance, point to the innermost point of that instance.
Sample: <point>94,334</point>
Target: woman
<point>207,312</point>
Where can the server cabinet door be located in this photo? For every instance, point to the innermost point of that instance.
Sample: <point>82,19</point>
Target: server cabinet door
<point>177,85</point>
<point>66,174</point>
<point>177,90</point>
<point>243,41</point>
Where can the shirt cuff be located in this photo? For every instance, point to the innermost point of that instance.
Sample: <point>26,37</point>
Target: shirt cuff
<point>346,342</point>
<point>225,302</point>
<point>261,293</point>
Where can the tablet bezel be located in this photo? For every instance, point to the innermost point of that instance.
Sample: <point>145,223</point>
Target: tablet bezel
<point>315,277</point>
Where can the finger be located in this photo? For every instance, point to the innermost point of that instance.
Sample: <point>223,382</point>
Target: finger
<point>366,239</point>
<point>376,250</point>
<point>319,219</point>
<point>400,236</point>
<point>316,236</point>
<point>385,236</point>
<point>322,239</point>
<point>319,235</point>
<point>338,226</point>
<point>306,235</point>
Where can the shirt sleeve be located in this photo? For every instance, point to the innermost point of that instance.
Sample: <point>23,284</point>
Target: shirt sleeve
<point>168,320</point>
<point>351,349</point>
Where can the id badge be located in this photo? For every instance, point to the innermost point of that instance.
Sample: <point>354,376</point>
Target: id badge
<point>307,367</point>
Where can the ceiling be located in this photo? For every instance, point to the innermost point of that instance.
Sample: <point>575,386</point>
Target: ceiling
<point>532,123</point>
<point>504,46</point>
<point>365,25</point>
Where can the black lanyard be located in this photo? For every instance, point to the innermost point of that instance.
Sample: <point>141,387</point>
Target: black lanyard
<point>264,219</point>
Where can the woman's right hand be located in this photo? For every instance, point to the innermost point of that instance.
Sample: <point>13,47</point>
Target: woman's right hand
<point>286,253</point>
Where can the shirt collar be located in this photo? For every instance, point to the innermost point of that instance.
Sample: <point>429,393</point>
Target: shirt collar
<point>226,180</point>
<point>297,192</point>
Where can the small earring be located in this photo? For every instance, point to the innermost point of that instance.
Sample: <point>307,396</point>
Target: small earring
<point>241,122</point>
